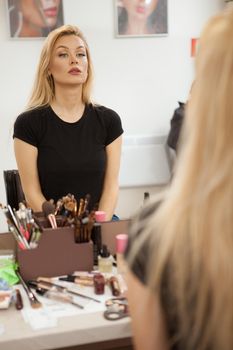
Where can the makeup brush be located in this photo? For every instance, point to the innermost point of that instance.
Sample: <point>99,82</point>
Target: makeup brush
<point>49,209</point>
<point>17,237</point>
<point>62,297</point>
<point>58,207</point>
<point>35,303</point>
<point>13,226</point>
<point>48,292</point>
<point>43,282</point>
<point>86,202</point>
<point>81,206</point>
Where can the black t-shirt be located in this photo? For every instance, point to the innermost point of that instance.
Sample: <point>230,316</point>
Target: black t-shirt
<point>71,156</point>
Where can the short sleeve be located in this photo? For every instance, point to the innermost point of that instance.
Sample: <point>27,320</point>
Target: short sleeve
<point>27,128</point>
<point>114,126</point>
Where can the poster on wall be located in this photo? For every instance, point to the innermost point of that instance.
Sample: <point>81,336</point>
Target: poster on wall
<point>33,18</point>
<point>136,18</point>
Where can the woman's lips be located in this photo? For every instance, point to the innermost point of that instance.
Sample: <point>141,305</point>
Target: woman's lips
<point>140,9</point>
<point>74,71</point>
<point>50,12</point>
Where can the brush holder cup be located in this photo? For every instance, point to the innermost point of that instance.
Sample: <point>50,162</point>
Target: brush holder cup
<point>57,254</point>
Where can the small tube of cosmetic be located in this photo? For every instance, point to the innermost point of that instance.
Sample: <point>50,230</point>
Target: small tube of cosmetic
<point>18,300</point>
<point>114,285</point>
<point>83,280</point>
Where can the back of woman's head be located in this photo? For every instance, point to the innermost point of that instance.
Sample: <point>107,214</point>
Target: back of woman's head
<point>210,116</point>
<point>43,89</point>
<point>195,219</point>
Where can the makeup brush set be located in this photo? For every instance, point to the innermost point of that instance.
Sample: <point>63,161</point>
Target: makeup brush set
<point>65,235</point>
<point>23,225</point>
<point>27,226</point>
<point>68,211</point>
<point>49,244</point>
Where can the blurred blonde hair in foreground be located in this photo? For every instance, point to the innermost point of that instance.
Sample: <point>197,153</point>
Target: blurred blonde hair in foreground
<point>194,221</point>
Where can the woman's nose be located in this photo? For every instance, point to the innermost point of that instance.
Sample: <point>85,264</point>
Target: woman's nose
<point>73,59</point>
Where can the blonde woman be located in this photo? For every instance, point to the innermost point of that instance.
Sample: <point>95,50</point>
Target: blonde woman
<point>180,250</point>
<point>64,143</point>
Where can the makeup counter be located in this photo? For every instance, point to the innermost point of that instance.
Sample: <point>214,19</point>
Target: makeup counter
<point>62,325</point>
<point>85,332</point>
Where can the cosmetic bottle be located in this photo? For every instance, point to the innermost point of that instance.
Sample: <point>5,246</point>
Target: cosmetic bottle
<point>114,285</point>
<point>100,216</point>
<point>97,241</point>
<point>121,243</point>
<point>18,300</point>
<point>105,260</point>
<point>99,283</point>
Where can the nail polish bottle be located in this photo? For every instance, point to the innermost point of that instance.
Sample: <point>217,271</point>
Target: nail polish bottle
<point>99,283</point>
<point>105,260</point>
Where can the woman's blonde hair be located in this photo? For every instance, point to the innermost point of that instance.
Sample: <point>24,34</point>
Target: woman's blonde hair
<point>43,89</point>
<point>194,247</point>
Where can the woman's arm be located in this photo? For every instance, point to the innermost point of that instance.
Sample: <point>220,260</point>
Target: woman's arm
<point>148,326</point>
<point>26,158</point>
<point>110,189</point>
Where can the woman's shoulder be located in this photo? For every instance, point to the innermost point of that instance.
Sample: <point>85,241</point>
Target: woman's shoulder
<point>29,126</point>
<point>139,243</point>
<point>108,121</point>
<point>103,111</point>
<point>32,114</point>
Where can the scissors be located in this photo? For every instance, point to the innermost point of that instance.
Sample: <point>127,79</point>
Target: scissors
<point>117,308</point>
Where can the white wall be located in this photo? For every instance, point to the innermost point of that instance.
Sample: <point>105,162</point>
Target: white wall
<point>141,78</point>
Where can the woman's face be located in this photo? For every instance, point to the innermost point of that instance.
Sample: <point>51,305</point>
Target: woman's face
<point>139,8</point>
<point>40,13</point>
<point>69,63</point>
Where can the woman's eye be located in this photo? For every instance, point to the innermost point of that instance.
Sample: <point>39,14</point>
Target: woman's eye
<point>81,54</point>
<point>62,54</point>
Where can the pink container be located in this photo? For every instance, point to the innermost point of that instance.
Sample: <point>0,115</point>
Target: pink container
<point>100,216</point>
<point>121,242</point>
